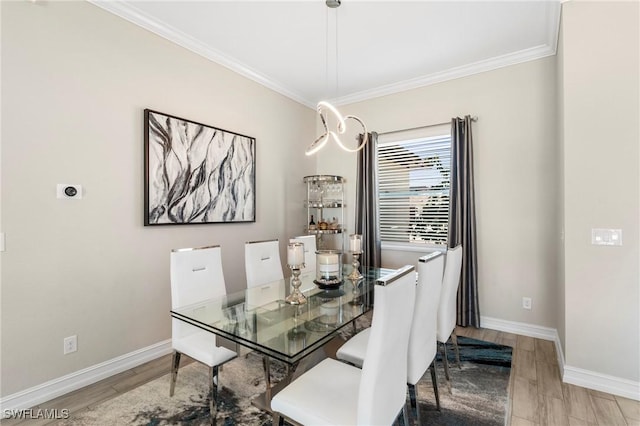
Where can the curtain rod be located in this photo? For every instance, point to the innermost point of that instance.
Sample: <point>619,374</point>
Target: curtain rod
<point>474,118</point>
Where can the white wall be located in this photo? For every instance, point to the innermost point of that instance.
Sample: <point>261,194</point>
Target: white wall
<point>601,42</point>
<point>75,81</point>
<point>516,176</point>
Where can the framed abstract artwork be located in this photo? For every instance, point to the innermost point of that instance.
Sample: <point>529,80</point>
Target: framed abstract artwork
<point>195,173</point>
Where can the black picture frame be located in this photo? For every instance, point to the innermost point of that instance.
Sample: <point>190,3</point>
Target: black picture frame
<point>195,173</point>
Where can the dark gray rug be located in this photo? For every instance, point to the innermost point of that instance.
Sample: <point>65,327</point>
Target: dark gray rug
<point>476,395</point>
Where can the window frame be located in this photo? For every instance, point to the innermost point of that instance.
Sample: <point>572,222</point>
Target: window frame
<point>415,137</point>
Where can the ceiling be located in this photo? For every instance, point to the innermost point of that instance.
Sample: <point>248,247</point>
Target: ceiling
<point>360,50</point>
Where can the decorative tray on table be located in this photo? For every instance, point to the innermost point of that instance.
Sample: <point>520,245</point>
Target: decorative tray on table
<point>328,284</point>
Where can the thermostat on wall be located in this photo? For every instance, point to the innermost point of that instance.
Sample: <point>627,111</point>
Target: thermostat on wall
<point>65,190</point>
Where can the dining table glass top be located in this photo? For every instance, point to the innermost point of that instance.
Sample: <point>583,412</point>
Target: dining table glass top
<point>260,319</point>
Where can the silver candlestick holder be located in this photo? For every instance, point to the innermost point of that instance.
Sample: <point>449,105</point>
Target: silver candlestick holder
<point>296,297</point>
<point>355,263</point>
<point>356,299</point>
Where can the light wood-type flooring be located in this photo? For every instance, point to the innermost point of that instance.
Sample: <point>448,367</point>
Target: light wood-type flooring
<point>537,395</point>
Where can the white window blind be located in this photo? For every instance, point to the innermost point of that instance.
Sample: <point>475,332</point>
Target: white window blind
<point>413,189</point>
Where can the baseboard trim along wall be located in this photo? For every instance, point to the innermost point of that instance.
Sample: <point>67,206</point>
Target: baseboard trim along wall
<point>79,379</point>
<point>74,381</point>
<point>602,382</point>
<point>572,375</point>
<point>530,330</point>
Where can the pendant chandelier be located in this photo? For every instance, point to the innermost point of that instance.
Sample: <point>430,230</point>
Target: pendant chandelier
<point>325,107</point>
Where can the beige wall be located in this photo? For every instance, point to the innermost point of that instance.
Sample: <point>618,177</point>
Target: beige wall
<point>601,185</point>
<point>75,81</point>
<point>559,152</point>
<point>516,176</point>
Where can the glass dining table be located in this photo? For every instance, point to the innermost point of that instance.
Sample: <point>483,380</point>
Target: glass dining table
<point>259,318</point>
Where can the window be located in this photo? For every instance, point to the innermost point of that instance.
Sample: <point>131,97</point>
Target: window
<point>413,189</point>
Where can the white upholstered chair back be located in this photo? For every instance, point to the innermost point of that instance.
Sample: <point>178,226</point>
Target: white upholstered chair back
<point>262,295</point>
<point>422,340</point>
<point>448,295</point>
<point>383,384</point>
<point>262,262</point>
<point>196,275</point>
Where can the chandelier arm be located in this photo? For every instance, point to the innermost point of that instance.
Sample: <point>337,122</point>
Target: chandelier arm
<point>324,104</point>
<point>365,137</point>
<point>317,144</point>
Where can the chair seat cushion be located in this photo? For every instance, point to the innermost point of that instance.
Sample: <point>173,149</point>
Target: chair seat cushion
<point>202,347</point>
<point>355,348</point>
<point>337,397</point>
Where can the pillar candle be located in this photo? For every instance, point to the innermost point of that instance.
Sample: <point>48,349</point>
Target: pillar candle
<point>295,254</point>
<point>328,264</point>
<point>355,243</point>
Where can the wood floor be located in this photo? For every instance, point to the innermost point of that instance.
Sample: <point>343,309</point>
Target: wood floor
<point>537,395</point>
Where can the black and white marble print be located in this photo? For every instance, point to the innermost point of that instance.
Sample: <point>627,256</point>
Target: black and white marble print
<point>198,174</point>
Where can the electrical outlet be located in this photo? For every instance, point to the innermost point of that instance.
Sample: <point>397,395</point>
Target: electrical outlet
<point>526,303</point>
<point>70,344</point>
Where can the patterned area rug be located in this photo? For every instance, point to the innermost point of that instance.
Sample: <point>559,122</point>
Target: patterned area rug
<point>476,395</point>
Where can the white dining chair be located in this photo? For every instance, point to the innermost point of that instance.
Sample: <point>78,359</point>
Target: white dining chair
<point>336,393</point>
<point>447,305</point>
<point>309,242</point>
<point>197,275</point>
<point>422,341</point>
<point>262,262</point>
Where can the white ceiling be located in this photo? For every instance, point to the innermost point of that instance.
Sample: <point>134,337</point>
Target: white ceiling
<point>382,46</point>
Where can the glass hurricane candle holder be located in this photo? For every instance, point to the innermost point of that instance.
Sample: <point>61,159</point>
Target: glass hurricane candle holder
<point>295,262</point>
<point>355,247</point>
<point>328,268</point>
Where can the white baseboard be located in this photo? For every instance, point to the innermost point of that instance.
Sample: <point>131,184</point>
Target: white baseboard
<point>76,380</point>
<point>531,330</point>
<point>573,375</point>
<point>521,328</point>
<point>602,382</point>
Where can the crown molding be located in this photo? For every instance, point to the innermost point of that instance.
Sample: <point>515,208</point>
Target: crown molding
<point>549,48</point>
<point>526,55</point>
<point>141,19</point>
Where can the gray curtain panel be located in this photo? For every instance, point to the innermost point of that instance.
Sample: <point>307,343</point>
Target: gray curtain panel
<point>367,223</point>
<point>462,219</point>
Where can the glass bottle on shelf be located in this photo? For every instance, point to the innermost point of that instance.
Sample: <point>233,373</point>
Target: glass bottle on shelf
<point>325,206</point>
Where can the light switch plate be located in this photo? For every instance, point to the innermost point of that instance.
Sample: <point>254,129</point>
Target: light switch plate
<point>606,237</point>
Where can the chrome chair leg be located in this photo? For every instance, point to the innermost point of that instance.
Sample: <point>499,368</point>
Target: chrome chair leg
<point>445,360</point>
<point>213,394</point>
<point>434,381</point>
<point>454,339</point>
<point>405,414</point>
<point>266,366</point>
<point>175,363</point>
<point>278,420</point>
<point>413,395</point>
<point>413,399</point>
